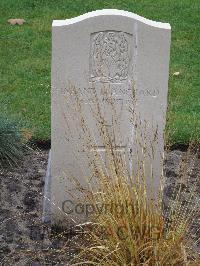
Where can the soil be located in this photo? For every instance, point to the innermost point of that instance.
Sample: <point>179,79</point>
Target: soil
<point>26,240</point>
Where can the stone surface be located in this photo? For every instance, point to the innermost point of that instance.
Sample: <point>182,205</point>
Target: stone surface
<point>106,53</point>
<point>46,217</point>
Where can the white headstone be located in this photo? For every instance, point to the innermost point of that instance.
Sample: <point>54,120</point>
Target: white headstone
<point>112,50</point>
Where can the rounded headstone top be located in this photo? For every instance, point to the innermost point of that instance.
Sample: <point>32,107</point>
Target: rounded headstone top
<point>111,12</point>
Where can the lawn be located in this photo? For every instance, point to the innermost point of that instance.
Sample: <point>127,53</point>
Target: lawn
<point>25,53</point>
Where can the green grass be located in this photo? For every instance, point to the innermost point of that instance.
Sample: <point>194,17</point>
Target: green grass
<point>12,144</point>
<point>25,53</point>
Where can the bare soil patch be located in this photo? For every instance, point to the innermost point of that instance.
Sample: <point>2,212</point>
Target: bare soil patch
<point>25,240</point>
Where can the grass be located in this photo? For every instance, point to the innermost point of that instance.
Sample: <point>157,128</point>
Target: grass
<point>12,143</point>
<point>135,233</point>
<point>129,223</point>
<point>25,53</point>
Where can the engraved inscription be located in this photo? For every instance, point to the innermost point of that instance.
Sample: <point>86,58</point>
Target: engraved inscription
<point>149,92</point>
<point>110,56</point>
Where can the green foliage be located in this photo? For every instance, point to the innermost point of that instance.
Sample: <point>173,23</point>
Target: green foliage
<point>25,53</point>
<point>11,143</point>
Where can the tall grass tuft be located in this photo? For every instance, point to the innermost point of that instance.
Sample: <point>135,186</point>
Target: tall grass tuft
<point>128,227</point>
<point>131,230</point>
<point>11,143</point>
<point>133,235</point>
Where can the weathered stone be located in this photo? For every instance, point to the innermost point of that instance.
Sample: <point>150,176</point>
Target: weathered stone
<point>106,53</point>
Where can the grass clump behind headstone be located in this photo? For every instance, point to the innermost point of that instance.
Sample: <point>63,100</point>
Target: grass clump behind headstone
<point>11,142</point>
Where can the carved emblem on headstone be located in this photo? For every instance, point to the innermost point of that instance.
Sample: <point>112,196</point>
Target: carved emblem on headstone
<point>109,56</point>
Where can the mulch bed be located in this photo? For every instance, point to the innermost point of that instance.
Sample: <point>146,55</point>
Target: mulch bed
<point>25,240</point>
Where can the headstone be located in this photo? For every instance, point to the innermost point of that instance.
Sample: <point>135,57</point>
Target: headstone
<point>117,52</point>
